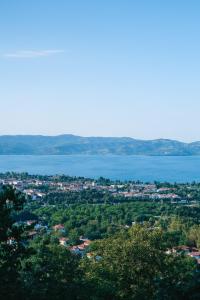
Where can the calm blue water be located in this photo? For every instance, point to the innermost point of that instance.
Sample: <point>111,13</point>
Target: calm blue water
<point>145,168</point>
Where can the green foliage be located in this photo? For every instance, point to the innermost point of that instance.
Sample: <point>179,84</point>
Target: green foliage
<point>99,220</point>
<point>194,236</point>
<point>51,273</point>
<point>134,265</point>
<point>126,262</point>
<point>12,249</point>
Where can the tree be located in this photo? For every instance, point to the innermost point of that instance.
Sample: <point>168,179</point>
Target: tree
<point>194,236</point>
<point>12,249</point>
<point>134,265</point>
<point>51,272</point>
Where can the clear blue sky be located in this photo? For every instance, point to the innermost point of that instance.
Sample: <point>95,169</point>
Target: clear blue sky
<point>103,68</point>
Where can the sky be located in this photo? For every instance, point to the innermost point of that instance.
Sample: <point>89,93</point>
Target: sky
<point>100,68</point>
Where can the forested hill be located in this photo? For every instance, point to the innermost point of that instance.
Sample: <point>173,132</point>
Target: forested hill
<point>71,144</point>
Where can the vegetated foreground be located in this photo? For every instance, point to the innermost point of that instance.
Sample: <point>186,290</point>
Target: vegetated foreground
<point>77,238</point>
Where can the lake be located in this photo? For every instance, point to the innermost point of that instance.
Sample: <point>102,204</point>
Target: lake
<point>145,168</point>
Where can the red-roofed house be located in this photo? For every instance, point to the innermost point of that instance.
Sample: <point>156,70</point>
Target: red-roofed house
<point>59,227</point>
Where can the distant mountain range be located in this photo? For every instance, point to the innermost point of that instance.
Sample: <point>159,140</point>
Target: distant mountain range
<point>70,144</point>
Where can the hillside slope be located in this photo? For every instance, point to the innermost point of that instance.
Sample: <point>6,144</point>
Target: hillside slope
<point>71,144</point>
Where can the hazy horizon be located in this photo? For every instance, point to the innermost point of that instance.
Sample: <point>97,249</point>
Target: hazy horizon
<point>108,68</point>
<point>98,136</point>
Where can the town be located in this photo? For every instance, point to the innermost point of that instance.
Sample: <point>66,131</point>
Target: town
<point>38,187</point>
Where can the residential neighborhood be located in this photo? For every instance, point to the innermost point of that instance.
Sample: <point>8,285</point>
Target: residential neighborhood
<point>36,189</point>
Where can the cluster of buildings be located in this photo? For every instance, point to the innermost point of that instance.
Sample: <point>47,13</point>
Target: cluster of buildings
<point>36,189</point>
<point>150,192</point>
<point>82,246</point>
<point>79,248</point>
<point>189,251</point>
<point>35,228</point>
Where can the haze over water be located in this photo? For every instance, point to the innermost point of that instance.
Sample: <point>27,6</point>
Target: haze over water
<point>144,168</point>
